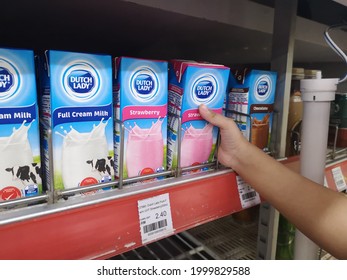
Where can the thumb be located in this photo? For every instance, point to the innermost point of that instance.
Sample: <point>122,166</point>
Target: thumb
<point>212,117</point>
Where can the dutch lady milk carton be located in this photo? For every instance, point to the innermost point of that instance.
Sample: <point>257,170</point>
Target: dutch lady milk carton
<point>20,171</point>
<point>192,84</point>
<point>141,105</point>
<point>250,104</point>
<point>76,103</point>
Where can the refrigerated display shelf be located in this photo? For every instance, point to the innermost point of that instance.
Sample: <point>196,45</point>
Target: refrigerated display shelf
<point>182,246</point>
<point>228,238</point>
<point>221,239</point>
<point>106,224</point>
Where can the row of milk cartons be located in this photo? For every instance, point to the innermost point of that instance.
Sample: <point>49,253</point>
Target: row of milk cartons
<point>78,140</point>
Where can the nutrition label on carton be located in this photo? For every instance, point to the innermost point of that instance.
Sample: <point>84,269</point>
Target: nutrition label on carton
<point>155,217</point>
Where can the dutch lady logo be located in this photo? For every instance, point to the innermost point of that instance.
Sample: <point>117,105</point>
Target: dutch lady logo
<point>204,89</point>
<point>81,81</point>
<point>144,84</point>
<point>9,79</point>
<point>262,88</point>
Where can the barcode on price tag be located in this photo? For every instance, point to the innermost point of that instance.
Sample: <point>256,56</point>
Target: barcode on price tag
<point>155,217</point>
<point>339,178</point>
<point>248,196</point>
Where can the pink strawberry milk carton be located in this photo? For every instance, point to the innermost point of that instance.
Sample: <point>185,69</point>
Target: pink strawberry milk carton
<point>141,96</point>
<point>192,84</point>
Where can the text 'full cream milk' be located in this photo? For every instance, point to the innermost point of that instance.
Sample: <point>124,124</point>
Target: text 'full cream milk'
<point>20,167</point>
<point>141,105</point>
<point>76,102</point>
<point>192,84</point>
<point>252,93</point>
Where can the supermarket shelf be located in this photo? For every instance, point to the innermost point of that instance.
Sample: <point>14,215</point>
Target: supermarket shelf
<point>174,29</point>
<point>181,246</point>
<point>335,170</point>
<point>221,239</point>
<point>228,238</point>
<point>106,224</point>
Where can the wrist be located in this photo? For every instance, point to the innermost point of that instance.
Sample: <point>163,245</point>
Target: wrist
<point>240,154</point>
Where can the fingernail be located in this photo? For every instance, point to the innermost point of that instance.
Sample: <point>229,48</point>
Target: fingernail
<point>204,107</point>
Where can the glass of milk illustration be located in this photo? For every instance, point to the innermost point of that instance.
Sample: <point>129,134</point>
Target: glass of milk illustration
<point>141,104</point>
<point>78,153</point>
<point>252,92</point>
<point>191,84</point>
<point>196,145</point>
<point>145,148</point>
<point>17,141</point>
<point>20,168</point>
<point>77,102</point>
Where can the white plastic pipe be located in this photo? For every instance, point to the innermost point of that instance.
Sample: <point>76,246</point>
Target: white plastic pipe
<point>316,95</point>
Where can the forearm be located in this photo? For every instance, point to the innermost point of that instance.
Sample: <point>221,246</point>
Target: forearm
<point>296,197</point>
<point>318,212</point>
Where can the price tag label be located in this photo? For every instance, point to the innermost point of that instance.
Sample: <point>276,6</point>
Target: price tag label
<point>155,217</point>
<point>248,196</point>
<point>339,178</point>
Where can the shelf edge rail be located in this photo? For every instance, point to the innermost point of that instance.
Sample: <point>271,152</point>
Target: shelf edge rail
<point>52,196</point>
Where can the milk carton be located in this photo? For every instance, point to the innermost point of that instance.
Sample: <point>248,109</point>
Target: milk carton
<point>20,168</point>
<point>76,103</point>
<point>252,93</point>
<point>141,105</point>
<point>192,84</point>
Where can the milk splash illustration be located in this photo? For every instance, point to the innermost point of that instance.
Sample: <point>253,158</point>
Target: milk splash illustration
<point>145,149</point>
<point>16,153</point>
<point>196,145</point>
<point>79,150</point>
<point>17,141</point>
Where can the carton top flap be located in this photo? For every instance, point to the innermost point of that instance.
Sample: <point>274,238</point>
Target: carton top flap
<point>240,74</point>
<point>117,61</point>
<point>180,66</point>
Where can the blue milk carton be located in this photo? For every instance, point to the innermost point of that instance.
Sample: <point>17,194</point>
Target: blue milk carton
<point>141,96</point>
<point>20,167</point>
<point>252,93</point>
<point>191,84</point>
<point>76,104</point>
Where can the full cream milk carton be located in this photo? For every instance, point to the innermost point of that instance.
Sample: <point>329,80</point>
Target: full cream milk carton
<point>76,104</point>
<point>141,95</point>
<point>20,168</point>
<point>191,84</point>
<point>250,104</point>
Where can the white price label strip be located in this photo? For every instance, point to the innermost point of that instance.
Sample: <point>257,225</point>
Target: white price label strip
<point>339,178</point>
<point>248,196</point>
<point>155,217</point>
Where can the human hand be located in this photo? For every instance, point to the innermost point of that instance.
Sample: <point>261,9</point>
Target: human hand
<point>232,139</point>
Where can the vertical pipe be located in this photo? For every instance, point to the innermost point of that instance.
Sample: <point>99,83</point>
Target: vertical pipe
<point>316,95</point>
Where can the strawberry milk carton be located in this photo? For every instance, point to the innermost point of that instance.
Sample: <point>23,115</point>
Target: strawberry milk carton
<point>191,84</point>
<point>140,98</point>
